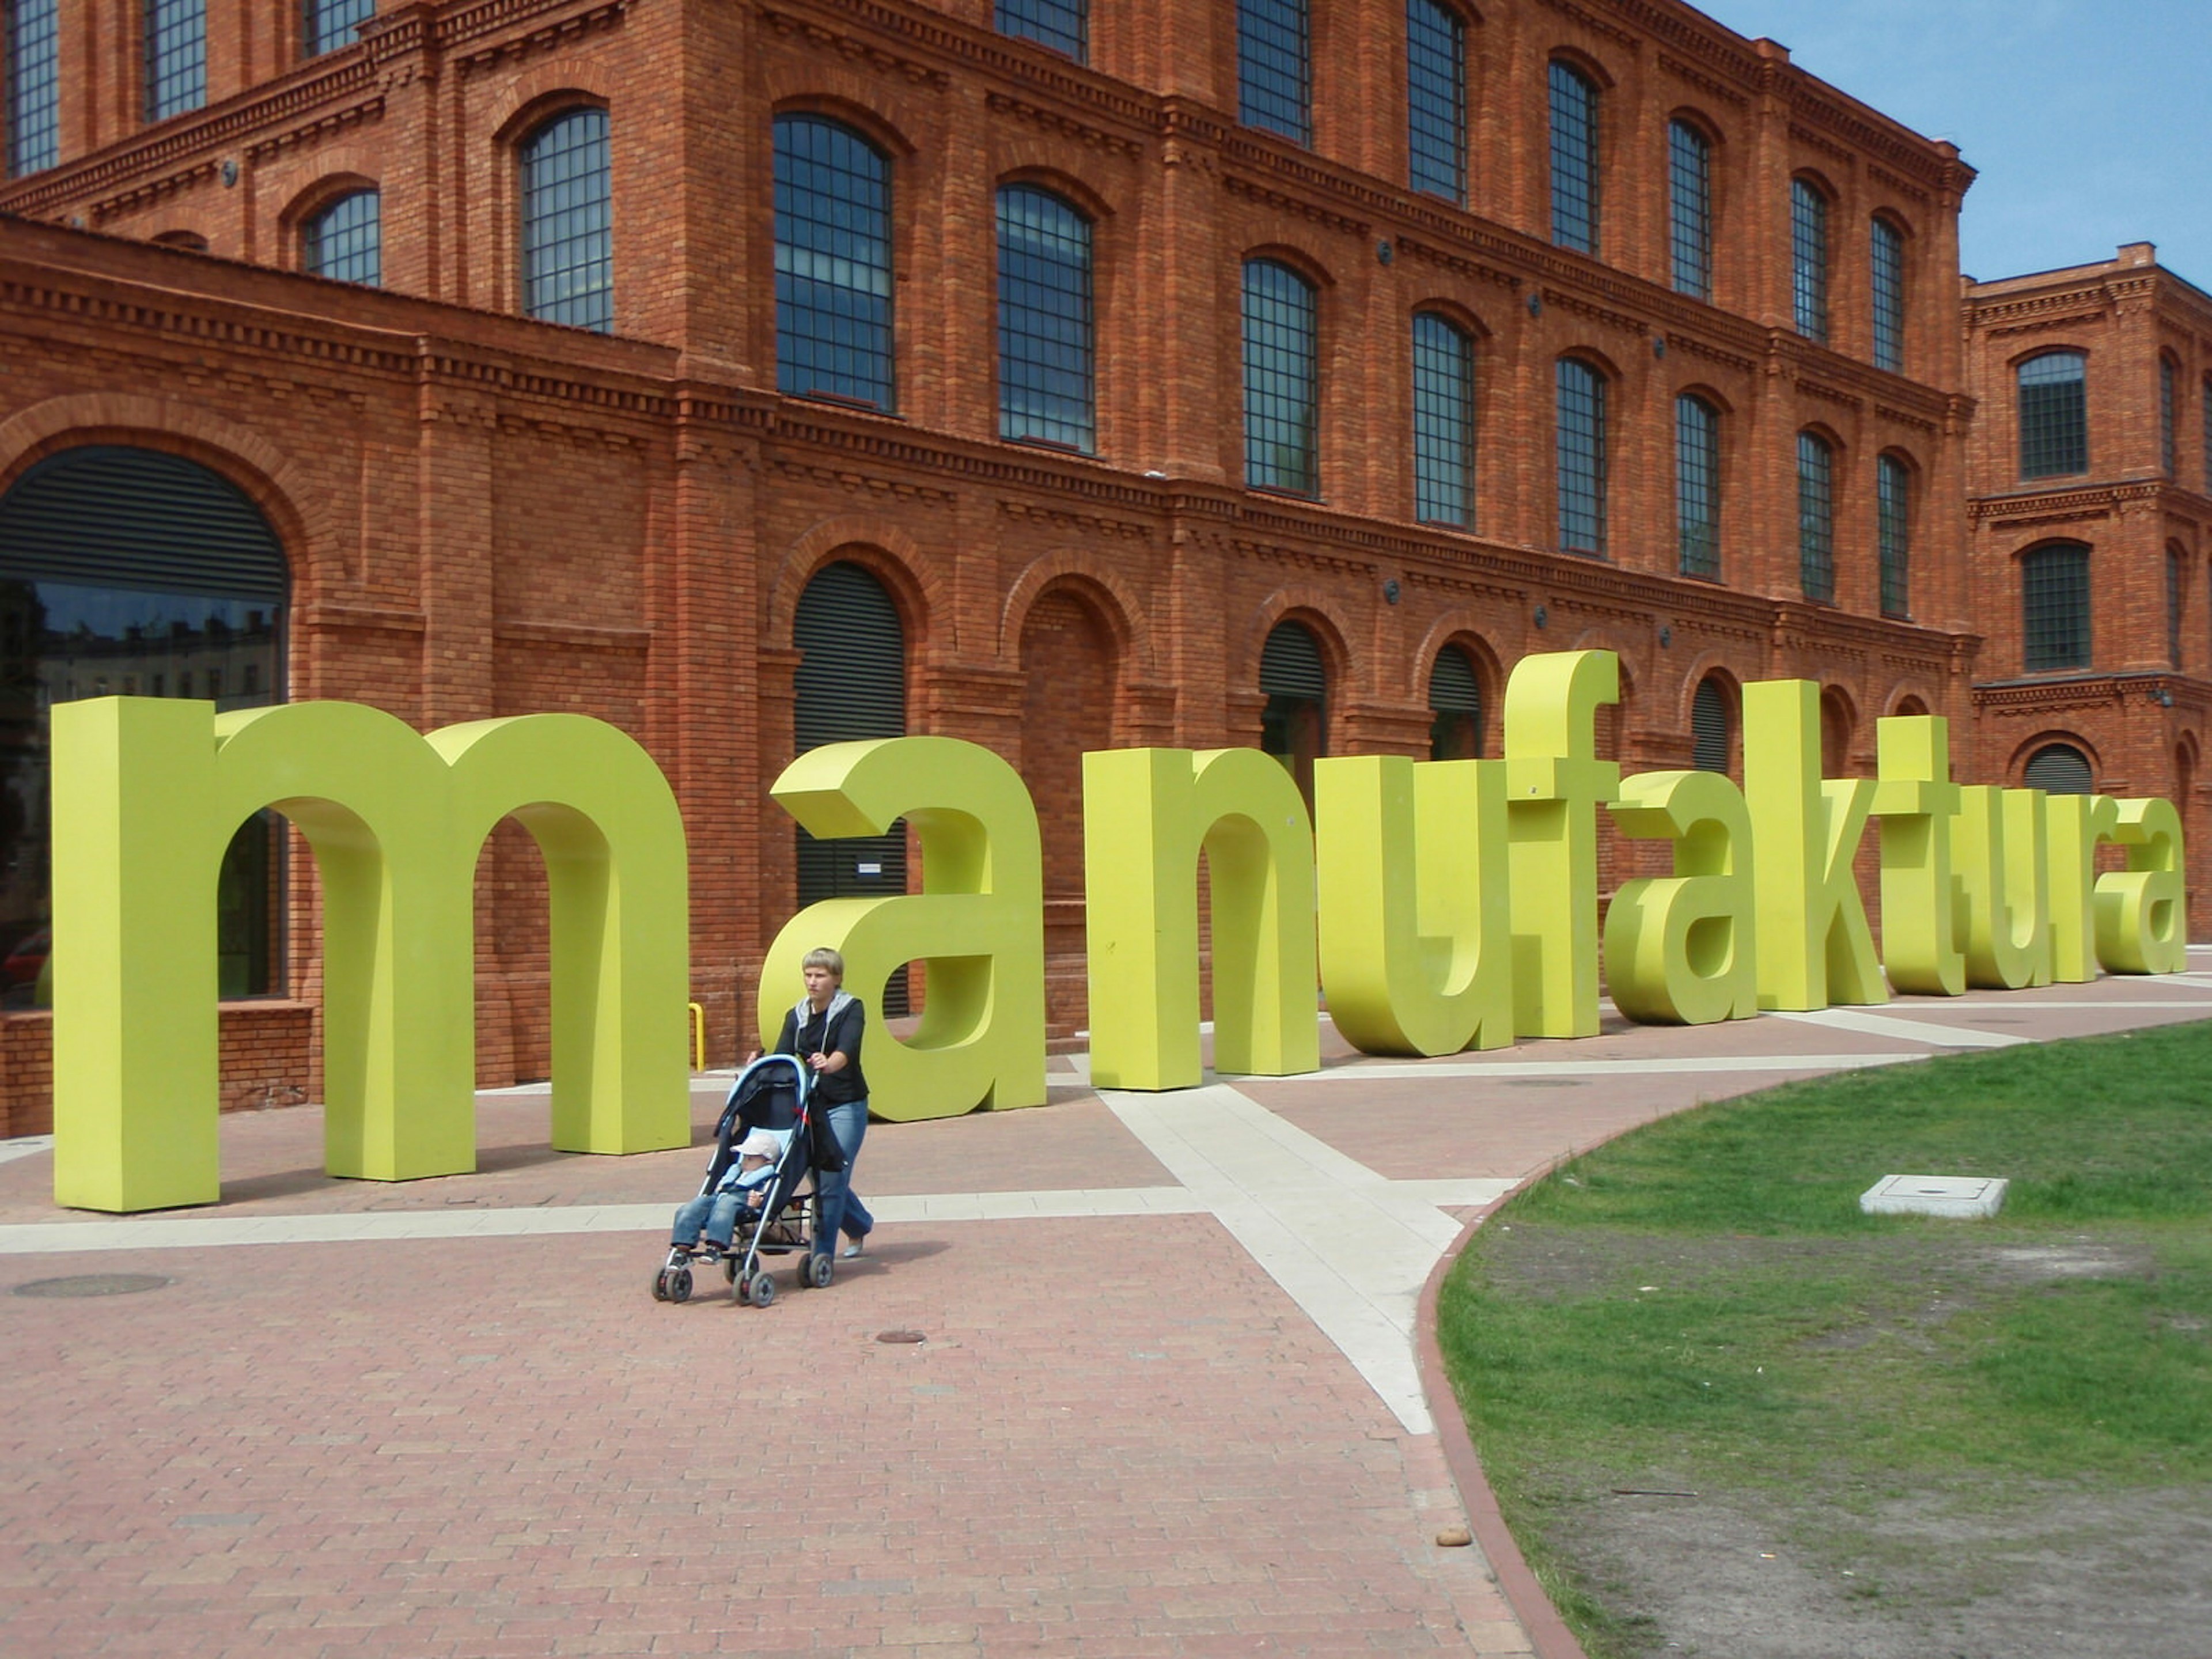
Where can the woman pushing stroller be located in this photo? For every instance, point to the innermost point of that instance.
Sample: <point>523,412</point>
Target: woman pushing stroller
<point>823,1030</point>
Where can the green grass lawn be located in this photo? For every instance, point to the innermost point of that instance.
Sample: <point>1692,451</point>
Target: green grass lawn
<point>1701,1305</point>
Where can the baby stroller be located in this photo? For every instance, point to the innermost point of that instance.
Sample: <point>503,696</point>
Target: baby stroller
<point>774,1093</point>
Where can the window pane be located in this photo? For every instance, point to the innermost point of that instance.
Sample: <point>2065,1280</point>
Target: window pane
<point>1443,422</point>
<point>176,57</point>
<point>1581,457</point>
<point>2055,606</point>
<point>1892,528</point>
<point>2054,415</point>
<point>1063,24</point>
<point>1436,98</point>
<point>1696,487</point>
<point>1889,272</point>
<point>1044,319</point>
<point>2169,418</point>
<point>1808,259</point>
<point>330,24</point>
<point>1690,208</point>
<point>346,240</point>
<point>833,262</point>
<point>1281,366</point>
<point>1816,518</point>
<point>1274,75</point>
<point>34,89</point>
<point>567,242</point>
<point>1574,158</point>
<point>2177,579</point>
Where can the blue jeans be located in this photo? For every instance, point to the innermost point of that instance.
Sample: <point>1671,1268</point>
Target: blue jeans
<point>841,1206</point>
<point>716,1212</point>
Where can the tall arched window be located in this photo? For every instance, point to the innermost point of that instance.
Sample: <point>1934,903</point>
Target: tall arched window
<point>1282,355</point>
<point>1808,258</point>
<point>1063,24</point>
<point>136,572</point>
<point>1690,208</point>
<point>1455,705</point>
<point>33,42</point>
<point>833,262</point>
<point>1443,421</point>
<point>1435,100</point>
<point>326,25</point>
<point>1294,726</point>
<point>2204,412</point>
<point>1696,487</point>
<point>567,218</point>
<point>1045,359</point>
<point>2054,586</point>
<point>1712,726</point>
<point>1887,286</point>
<point>2054,415</point>
<point>1580,457</point>
<point>2059,769</point>
<point>174,33</point>
<point>2177,599</point>
<point>1893,534</point>
<point>1274,67</point>
<point>2169,414</point>
<point>344,240</point>
<point>1816,517</point>
<point>1574,158</point>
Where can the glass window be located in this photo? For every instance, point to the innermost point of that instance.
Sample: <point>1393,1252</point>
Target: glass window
<point>1712,726</point>
<point>34,85</point>
<point>2054,415</point>
<point>176,57</point>
<point>1581,457</point>
<point>1816,517</point>
<point>1281,385</point>
<point>2204,409</point>
<point>1443,422</point>
<point>2177,595</point>
<point>1294,725</point>
<point>1574,158</point>
<point>1275,70</point>
<point>326,25</point>
<point>1456,705</point>
<point>1894,533</point>
<point>1696,487</point>
<point>1808,258</point>
<point>1690,208</point>
<point>568,237</point>
<point>833,262</point>
<point>1044,319</point>
<point>1063,24</point>
<point>1889,287</point>
<point>1436,98</point>
<point>2169,415</point>
<point>2055,606</point>
<point>344,240</point>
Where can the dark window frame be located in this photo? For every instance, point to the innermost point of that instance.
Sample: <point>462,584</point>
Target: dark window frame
<point>1816,517</point>
<point>1580,464</point>
<point>1274,67</point>
<point>1886,271</point>
<point>1894,533</point>
<point>1690,208</point>
<point>2052,406</point>
<point>836,325</point>
<point>1435,100</point>
<point>1062,25</point>
<point>338,242</point>
<point>331,25</point>
<point>564,219</point>
<point>173,36</point>
<point>1281,355</point>
<point>1696,486</point>
<point>1811,213</point>
<point>2057,631</point>
<point>1046,319</point>
<point>1443,361</point>
<point>33,88</point>
<point>1577,134</point>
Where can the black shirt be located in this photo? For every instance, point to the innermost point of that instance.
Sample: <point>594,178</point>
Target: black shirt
<point>818,1037</point>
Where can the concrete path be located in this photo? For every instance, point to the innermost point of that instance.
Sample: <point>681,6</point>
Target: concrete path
<point>1166,1401</point>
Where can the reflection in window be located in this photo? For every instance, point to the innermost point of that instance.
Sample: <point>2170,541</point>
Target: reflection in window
<point>1044,319</point>
<point>568,237</point>
<point>1063,24</point>
<point>1696,487</point>
<point>1443,422</point>
<point>1816,517</point>
<point>328,24</point>
<point>1436,98</point>
<point>1580,457</point>
<point>344,241</point>
<point>2055,606</point>
<point>1274,67</point>
<point>2054,415</point>
<point>1887,271</point>
<point>1281,362</point>
<point>1690,208</point>
<point>1574,158</point>
<point>833,262</point>
<point>175,36</point>
<point>1893,534</point>
<point>34,89</point>
<point>1808,259</point>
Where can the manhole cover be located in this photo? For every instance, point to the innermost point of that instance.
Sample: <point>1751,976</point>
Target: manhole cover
<point>901,1336</point>
<point>94,1284</point>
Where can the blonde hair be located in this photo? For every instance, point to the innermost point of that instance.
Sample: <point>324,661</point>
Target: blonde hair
<point>823,956</point>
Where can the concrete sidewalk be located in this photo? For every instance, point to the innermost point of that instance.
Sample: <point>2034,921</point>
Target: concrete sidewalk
<point>1168,1399</point>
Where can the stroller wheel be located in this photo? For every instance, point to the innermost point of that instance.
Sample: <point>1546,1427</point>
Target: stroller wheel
<point>730,1268</point>
<point>764,1290</point>
<point>820,1270</point>
<point>741,1290</point>
<point>679,1285</point>
<point>660,1285</point>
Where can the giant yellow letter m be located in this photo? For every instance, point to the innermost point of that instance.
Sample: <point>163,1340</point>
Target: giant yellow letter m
<point>147,791</point>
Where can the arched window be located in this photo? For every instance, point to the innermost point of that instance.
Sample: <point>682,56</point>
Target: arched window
<point>2204,411</point>
<point>1574,158</point>
<point>174,33</point>
<point>1294,726</point>
<point>1443,422</point>
<point>34,89</point>
<point>1045,360</point>
<point>1579,449</point>
<point>137,573</point>
<point>1835,734</point>
<point>190,240</point>
<point>1274,67</point>
<point>1808,258</point>
<point>1712,726</point>
<point>326,25</point>
<point>1063,24</point>
<point>1886,287</point>
<point>1435,100</point>
<point>1690,208</point>
<point>2169,414</point>
<point>1696,487</point>
<point>1282,353</point>
<point>850,684</point>
<point>1893,534</point>
<point>344,240</point>
<point>2054,415</point>
<point>2054,585</point>
<point>568,237</point>
<point>2177,597</point>
<point>2059,769</point>
<point>833,262</point>
<point>1455,706</point>
<point>1816,517</point>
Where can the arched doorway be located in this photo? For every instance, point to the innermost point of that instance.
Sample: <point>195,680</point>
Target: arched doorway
<point>1456,705</point>
<point>1294,726</point>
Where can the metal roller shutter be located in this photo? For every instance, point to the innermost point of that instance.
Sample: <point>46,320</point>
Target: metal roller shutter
<point>1710,728</point>
<point>2059,769</point>
<point>104,516</point>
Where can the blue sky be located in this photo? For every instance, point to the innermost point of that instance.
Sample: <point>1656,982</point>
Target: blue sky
<point>2090,123</point>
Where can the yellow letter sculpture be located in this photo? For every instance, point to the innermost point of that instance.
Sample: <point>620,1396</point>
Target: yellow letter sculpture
<point>1415,923</point>
<point>147,792</point>
<point>1998,840</point>
<point>2073,825</point>
<point>1680,949</point>
<point>1814,947</point>
<point>2142,920</point>
<point>1554,786</point>
<point>1921,900</point>
<point>1147,813</point>
<point>978,920</point>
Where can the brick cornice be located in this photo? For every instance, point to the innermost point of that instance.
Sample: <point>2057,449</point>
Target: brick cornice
<point>2049,506</point>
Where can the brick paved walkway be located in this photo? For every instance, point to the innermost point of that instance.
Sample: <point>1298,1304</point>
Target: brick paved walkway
<point>1167,1405</point>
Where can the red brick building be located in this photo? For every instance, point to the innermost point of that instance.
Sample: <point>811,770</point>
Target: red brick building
<point>758,375</point>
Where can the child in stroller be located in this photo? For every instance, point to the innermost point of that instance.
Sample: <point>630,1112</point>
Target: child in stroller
<point>744,1186</point>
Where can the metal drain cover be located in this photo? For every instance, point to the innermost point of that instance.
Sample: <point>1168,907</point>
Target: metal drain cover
<point>901,1336</point>
<point>96,1284</point>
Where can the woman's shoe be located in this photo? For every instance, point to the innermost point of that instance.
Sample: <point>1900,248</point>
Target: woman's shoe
<point>852,1251</point>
